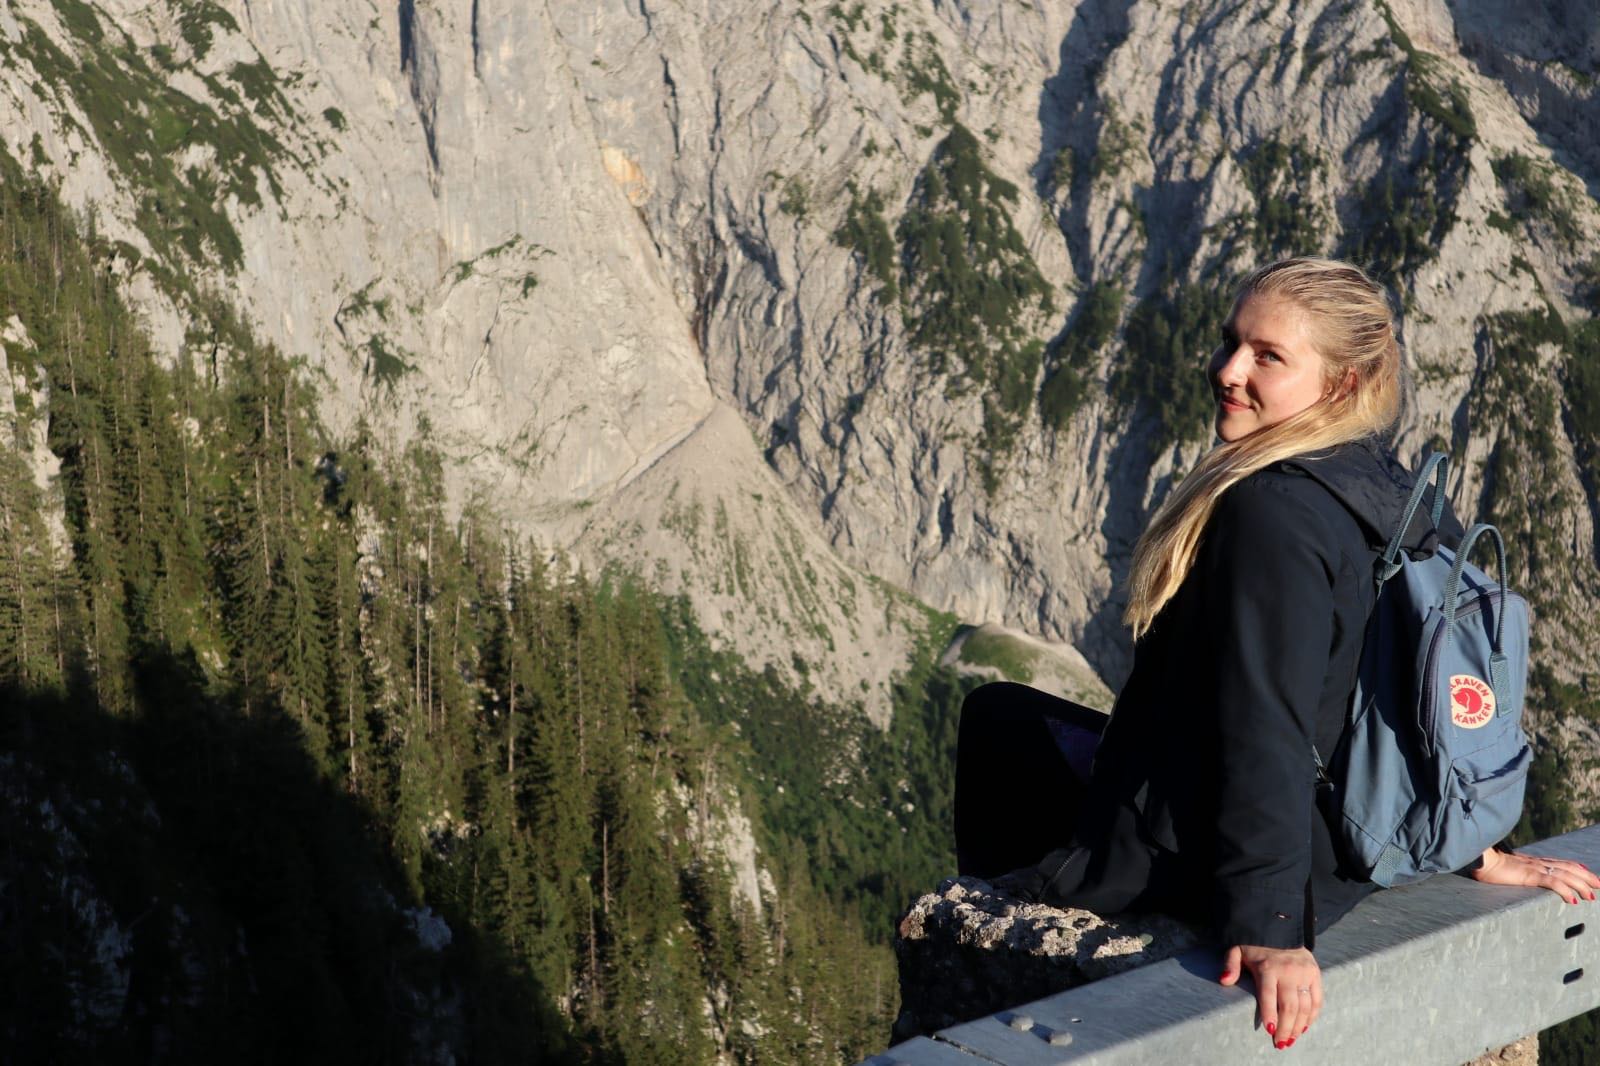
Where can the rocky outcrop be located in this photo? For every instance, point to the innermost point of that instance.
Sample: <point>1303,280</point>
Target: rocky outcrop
<point>967,950</point>
<point>999,653</point>
<point>1524,1052</point>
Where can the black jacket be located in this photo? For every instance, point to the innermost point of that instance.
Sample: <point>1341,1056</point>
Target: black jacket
<point>1202,798</point>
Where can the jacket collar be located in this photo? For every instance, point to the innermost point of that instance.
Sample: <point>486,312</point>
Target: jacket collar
<point>1366,477</point>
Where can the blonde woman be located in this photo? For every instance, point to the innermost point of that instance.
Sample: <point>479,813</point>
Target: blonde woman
<point>1248,599</point>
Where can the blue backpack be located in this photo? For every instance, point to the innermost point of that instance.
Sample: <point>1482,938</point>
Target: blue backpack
<point>1431,767</point>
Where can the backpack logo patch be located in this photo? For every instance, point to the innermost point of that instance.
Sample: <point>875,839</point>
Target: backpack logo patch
<point>1471,701</point>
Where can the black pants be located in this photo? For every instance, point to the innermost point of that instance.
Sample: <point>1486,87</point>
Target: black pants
<point>1017,792</point>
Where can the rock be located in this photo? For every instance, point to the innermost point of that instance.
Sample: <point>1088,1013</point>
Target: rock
<point>1524,1052</point>
<point>968,950</point>
<point>1000,653</point>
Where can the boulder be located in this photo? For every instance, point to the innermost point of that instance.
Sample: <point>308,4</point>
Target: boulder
<point>967,950</point>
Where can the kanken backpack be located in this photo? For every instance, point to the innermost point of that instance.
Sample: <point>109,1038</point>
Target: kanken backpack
<point>1431,767</point>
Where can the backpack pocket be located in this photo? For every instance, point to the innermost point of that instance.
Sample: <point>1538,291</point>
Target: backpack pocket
<point>1482,803</point>
<point>1476,786</point>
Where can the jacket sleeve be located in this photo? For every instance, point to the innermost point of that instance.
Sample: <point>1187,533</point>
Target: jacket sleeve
<point>1268,574</point>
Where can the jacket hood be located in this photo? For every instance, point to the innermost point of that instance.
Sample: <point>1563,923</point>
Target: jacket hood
<point>1366,477</point>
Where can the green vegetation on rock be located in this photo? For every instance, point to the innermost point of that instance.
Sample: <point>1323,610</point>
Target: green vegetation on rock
<point>973,296</point>
<point>195,21</point>
<point>866,233</point>
<point>1287,220</point>
<point>1519,401</point>
<point>1531,194</point>
<point>1408,208</point>
<point>1071,359</point>
<point>922,71</point>
<point>145,125</point>
<point>1447,106</point>
<point>1014,658</point>
<point>1063,167</point>
<point>796,198</point>
<point>1120,142</point>
<point>1167,343</point>
<point>909,60</point>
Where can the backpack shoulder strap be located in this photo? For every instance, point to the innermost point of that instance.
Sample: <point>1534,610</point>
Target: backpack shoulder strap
<point>1435,466</point>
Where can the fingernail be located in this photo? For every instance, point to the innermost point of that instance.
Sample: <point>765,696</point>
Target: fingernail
<point>1291,1042</point>
<point>1303,1029</point>
<point>1282,1044</point>
<point>1272,1028</point>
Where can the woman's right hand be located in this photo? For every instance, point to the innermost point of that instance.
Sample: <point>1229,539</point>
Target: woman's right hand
<point>1565,878</point>
<point>1288,987</point>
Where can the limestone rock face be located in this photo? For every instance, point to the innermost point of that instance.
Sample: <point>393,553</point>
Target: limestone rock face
<point>966,951</point>
<point>558,238</point>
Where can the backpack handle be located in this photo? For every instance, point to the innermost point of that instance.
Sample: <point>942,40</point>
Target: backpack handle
<point>1497,659</point>
<point>1436,465</point>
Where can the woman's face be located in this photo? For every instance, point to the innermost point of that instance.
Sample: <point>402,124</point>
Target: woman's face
<point>1266,367</point>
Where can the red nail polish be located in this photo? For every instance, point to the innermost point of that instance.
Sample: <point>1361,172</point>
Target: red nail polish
<point>1272,1028</point>
<point>1290,1043</point>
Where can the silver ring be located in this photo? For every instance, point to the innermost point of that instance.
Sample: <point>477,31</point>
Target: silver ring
<point>1549,869</point>
<point>1304,991</point>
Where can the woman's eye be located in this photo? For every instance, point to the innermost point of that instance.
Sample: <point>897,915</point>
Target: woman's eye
<point>1270,356</point>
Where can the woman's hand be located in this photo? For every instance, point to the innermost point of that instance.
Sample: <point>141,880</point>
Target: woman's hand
<point>1288,987</point>
<point>1565,878</point>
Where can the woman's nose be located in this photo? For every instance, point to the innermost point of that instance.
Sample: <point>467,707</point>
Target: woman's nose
<point>1229,366</point>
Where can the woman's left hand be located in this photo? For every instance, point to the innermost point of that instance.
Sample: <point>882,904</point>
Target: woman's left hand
<point>1565,878</point>
<point>1288,987</point>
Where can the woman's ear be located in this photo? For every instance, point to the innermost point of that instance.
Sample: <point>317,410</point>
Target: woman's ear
<point>1343,388</point>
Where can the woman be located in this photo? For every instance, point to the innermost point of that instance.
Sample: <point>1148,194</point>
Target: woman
<point>1248,598</point>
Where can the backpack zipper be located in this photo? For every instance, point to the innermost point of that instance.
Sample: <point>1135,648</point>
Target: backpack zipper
<point>1428,686</point>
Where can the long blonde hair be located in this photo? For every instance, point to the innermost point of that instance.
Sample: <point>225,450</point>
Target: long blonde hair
<point>1352,327</point>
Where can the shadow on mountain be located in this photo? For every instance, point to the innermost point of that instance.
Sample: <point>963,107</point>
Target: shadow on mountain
<point>1547,54</point>
<point>182,884</point>
<point>1070,117</point>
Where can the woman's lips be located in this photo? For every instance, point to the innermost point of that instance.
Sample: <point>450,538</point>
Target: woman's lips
<point>1230,404</point>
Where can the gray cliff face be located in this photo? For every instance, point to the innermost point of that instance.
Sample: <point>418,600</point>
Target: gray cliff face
<point>632,263</point>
